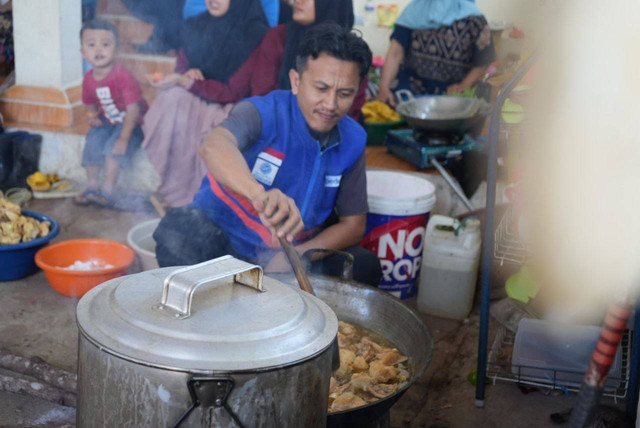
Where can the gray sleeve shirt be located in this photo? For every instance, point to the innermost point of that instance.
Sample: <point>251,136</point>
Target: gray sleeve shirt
<point>245,123</point>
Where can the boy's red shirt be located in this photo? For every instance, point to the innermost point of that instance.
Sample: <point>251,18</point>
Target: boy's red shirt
<point>113,94</point>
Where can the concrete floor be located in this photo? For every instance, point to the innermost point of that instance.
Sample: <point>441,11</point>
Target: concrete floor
<point>36,321</point>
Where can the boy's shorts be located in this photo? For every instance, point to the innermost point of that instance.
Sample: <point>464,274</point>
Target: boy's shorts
<point>100,141</point>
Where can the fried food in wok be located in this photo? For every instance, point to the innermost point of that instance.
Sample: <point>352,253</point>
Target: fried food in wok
<point>369,370</point>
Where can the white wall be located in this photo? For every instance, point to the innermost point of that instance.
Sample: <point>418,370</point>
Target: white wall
<point>47,44</point>
<point>523,13</point>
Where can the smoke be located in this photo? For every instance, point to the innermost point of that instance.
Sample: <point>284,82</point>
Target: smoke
<point>583,153</point>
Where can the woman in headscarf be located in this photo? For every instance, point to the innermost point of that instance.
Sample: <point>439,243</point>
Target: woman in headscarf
<point>220,48</point>
<point>437,47</point>
<point>271,9</point>
<point>280,46</point>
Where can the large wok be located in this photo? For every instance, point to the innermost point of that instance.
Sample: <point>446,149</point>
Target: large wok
<point>384,314</point>
<point>441,113</point>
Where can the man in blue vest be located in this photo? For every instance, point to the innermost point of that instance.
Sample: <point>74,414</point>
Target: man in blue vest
<point>288,165</point>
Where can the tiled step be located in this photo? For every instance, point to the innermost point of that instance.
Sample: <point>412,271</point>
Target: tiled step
<point>80,129</point>
<point>115,7</point>
<point>141,65</point>
<point>130,29</point>
<point>81,124</point>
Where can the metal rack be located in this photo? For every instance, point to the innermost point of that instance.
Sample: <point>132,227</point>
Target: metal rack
<point>504,371</point>
<point>488,255</point>
<point>507,245</point>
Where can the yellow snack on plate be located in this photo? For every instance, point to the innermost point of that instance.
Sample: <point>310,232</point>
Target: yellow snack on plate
<point>38,182</point>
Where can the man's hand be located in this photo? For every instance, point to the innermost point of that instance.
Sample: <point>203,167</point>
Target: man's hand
<point>385,96</point>
<point>194,74</point>
<point>171,80</point>
<point>93,116</point>
<point>120,147</point>
<point>279,213</point>
<point>95,122</point>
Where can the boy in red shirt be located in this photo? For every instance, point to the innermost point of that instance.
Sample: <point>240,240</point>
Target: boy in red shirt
<point>115,108</point>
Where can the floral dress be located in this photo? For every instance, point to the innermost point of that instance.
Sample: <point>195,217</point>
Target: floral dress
<point>435,59</point>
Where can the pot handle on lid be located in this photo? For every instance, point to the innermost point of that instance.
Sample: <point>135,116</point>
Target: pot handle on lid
<point>180,285</point>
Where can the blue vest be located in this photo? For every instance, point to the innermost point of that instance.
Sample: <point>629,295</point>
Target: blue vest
<point>285,156</point>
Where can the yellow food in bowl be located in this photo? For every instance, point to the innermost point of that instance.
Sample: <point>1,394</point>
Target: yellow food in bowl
<point>16,228</point>
<point>379,112</point>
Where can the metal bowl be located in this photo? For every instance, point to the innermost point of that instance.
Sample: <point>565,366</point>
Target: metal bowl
<point>441,113</point>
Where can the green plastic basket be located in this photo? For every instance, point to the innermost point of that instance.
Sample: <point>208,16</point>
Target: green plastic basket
<point>377,132</point>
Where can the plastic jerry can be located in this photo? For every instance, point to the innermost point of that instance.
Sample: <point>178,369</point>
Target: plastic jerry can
<point>449,267</point>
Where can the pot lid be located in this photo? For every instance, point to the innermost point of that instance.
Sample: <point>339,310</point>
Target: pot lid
<point>221,315</point>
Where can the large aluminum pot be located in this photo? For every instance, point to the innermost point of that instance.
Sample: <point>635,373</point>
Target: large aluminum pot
<point>242,350</point>
<point>384,314</point>
<point>441,113</point>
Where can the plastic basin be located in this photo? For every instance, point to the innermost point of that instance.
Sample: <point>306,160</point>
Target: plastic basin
<point>17,260</point>
<point>140,238</point>
<point>54,258</point>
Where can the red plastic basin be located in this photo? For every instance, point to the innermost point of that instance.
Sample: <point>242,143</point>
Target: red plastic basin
<point>53,258</point>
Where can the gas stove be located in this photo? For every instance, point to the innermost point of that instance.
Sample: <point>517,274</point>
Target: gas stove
<point>419,149</point>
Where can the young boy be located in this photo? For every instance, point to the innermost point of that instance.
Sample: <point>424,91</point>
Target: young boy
<point>115,108</point>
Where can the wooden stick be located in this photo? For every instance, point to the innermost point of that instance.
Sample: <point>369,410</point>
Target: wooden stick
<point>157,205</point>
<point>19,385</point>
<point>296,264</point>
<point>39,369</point>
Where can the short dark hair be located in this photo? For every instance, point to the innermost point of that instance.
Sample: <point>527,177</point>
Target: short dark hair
<point>337,41</point>
<point>99,24</point>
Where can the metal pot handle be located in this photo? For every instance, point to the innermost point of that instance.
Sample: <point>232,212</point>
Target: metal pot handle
<point>484,108</point>
<point>406,93</point>
<point>347,267</point>
<point>180,285</point>
<point>209,392</point>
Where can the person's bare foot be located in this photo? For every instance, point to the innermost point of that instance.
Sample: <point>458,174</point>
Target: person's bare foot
<point>84,197</point>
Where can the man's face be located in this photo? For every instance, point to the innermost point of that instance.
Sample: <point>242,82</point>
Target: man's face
<point>325,90</point>
<point>99,47</point>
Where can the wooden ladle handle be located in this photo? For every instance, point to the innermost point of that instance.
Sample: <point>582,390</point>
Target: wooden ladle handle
<point>296,264</point>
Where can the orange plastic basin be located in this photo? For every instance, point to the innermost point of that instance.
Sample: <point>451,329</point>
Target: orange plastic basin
<point>74,283</point>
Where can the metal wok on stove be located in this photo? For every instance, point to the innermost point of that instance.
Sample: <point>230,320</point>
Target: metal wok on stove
<point>384,314</point>
<point>441,113</point>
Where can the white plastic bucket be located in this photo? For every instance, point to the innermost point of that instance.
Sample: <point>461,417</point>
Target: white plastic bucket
<point>399,207</point>
<point>141,240</point>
